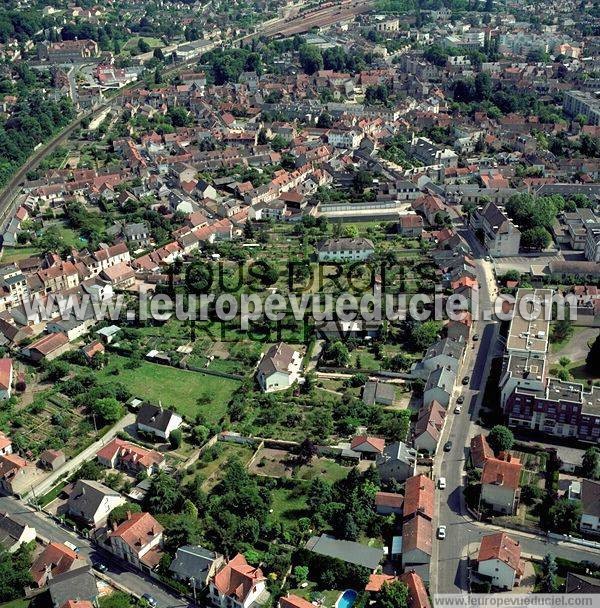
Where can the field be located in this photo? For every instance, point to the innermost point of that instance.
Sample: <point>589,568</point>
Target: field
<point>174,387</point>
<point>289,505</point>
<point>212,468</point>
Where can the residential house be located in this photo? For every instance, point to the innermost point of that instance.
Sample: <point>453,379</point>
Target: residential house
<point>47,347</point>
<point>398,462</point>
<point>138,540</point>
<point>51,460</point>
<point>346,550</point>
<point>377,581</point>
<point>157,421</point>
<point>54,560</point>
<point>480,451</point>
<point>417,539</point>
<point>417,592</point>
<point>579,583</point>
<point>5,445</point>
<point>381,393</point>
<point>92,349</point>
<point>74,589</point>
<point>6,377</point>
<point>237,584</point>
<point>129,456</point>
<point>195,566</point>
<point>590,506</point>
<point>345,249</point>
<point>279,368</point>
<point>499,559</point>
<point>460,327</point>
<point>91,502</point>
<point>500,479</point>
<point>439,386</point>
<point>16,475</point>
<point>14,532</point>
<point>294,601</point>
<point>501,237</point>
<point>119,276</point>
<point>366,446</point>
<point>428,428</point>
<point>387,503</point>
<point>445,353</point>
<point>410,225</point>
<point>73,326</point>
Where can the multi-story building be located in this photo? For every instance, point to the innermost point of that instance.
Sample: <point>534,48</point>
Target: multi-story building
<point>345,250</point>
<point>592,245</point>
<point>68,51</point>
<point>500,235</point>
<point>530,398</point>
<point>586,104</point>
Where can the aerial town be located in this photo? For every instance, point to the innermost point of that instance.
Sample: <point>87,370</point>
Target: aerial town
<point>299,302</point>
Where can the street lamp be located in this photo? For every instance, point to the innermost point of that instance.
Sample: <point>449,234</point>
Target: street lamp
<point>193,584</point>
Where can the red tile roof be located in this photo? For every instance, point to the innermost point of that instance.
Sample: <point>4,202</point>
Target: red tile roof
<point>418,496</point>
<point>417,533</point>
<point>417,594</point>
<point>375,442</point>
<point>293,601</point>
<point>237,578</point>
<point>506,473</point>
<point>49,343</point>
<point>389,499</point>
<point>138,530</point>
<point>55,556</point>
<point>5,373</point>
<point>376,581</point>
<point>480,451</point>
<point>502,547</point>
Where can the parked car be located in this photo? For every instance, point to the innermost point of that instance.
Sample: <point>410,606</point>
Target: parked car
<point>149,600</point>
<point>476,337</point>
<point>447,446</point>
<point>442,483</point>
<point>100,567</point>
<point>441,532</point>
<point>461,399</point>
<point>466,380</point>
<point>457,409</point>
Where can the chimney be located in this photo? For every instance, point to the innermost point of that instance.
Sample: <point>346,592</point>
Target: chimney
<point>128,514</point>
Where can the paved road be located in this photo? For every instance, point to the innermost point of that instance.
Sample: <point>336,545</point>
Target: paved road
<point>449,569</point>
<point>48,482</point>
<point>134,582</point>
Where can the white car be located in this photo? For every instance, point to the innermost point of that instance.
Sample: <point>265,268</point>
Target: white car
<point>457,409</point>
<point>442,483</point>
<point>441,532</point>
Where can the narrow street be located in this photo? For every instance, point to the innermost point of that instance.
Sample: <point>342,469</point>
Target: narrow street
<point>134,582</point>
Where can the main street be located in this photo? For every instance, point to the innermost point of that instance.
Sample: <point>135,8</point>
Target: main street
<point>449,567</point>
<point>134,582</point>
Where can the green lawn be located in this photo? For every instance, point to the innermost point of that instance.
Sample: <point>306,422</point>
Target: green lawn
<point>288,505</point>
<point>213,469</point>
<point>14,254</point>
<point>323,467</point>
<point>20,603</point>
<point>174,387</point>
<point>330,596</point>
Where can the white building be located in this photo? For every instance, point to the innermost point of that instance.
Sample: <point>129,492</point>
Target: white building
<point>345,249</point>
<point>500,560</point>
<point>237,585</point>
<point>279,368</point>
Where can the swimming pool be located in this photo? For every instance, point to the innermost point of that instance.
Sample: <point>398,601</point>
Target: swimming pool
<point>347,599</point>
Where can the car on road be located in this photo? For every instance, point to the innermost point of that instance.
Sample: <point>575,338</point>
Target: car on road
<point>149,600</point>
<point>461,399</point>
<point>466,380</point>
<point>441,532</point>
<point>100,567</point>
<point>71,546</point>
<point>457,409</point>
<point>447,446</point>
<point>442,483</point>
<point>475,337</point>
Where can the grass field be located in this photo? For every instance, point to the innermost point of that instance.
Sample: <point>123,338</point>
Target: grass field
<point>288,506</point>
<point>323,467</point>
<point>213,470</point>
<point>14,254</point>
<point>174,387</point>
<point>20,603</point>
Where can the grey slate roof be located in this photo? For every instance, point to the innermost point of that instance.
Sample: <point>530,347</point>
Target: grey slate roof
<point>154,417</point>
<point>86,497</point>
<point>193,561</point>
<point>11,530</point>
<point>374,392</point>
<point>345,550</point>
<point>578,583</point>
<point>78,584</point>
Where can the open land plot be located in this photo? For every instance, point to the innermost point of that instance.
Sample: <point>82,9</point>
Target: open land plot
<point>289,504</point>
<point>174,387</point>
<point>213,469</point>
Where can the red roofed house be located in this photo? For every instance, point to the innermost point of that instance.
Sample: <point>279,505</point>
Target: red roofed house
<point>127,455</point>
<point>6,378</point>
<point>377,581</point>
<point>500,483</point>
<point>368,446</point>
<point>138,540</point>
<point>55,559</point>
<point>293,601</point>
<point>77,604</point>
<point>5,445</point>
<point>417,594</point>
<point>480,451</point>
<point>388,502</point>
<point>418,497</point>
<point>500,559</point>
<point>237,584</point>
<point>48,347</point>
